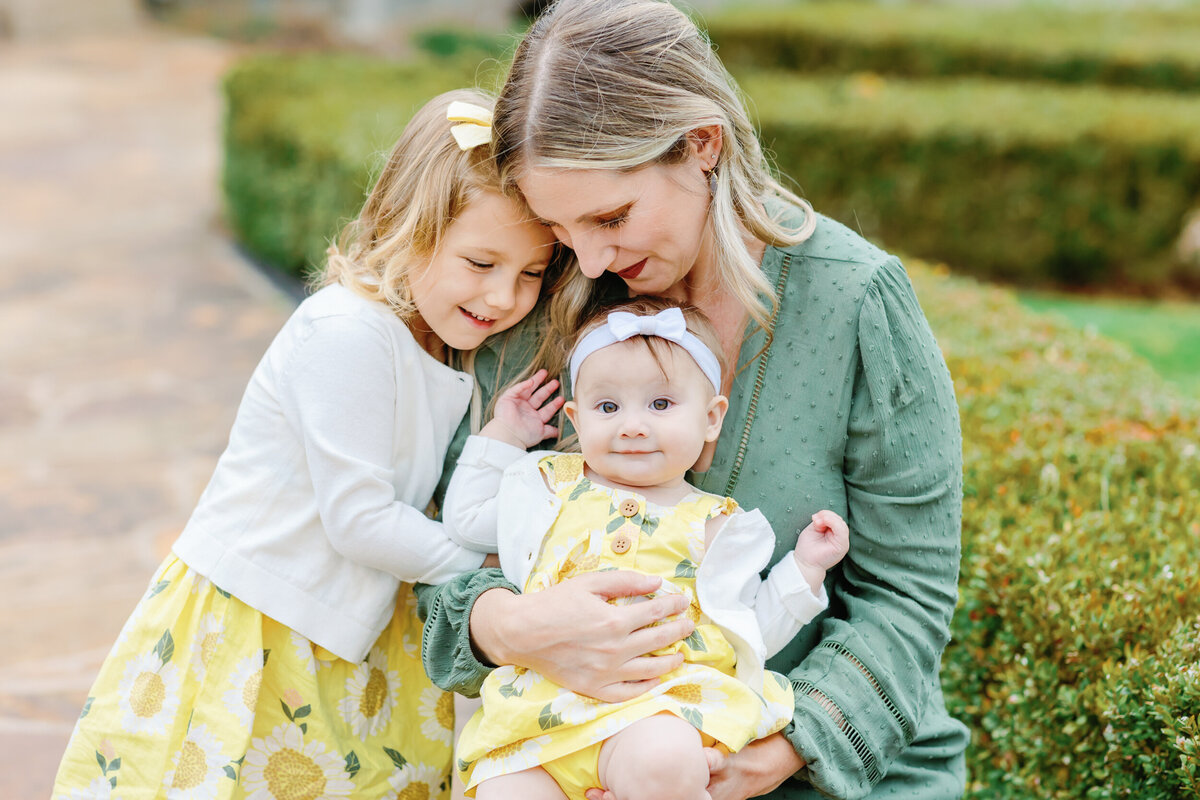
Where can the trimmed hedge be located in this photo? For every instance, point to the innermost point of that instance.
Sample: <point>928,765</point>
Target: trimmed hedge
<point>1071,660</point>
<point>304,137</point>
<point>1152,48</point>
<point>1028,183</point>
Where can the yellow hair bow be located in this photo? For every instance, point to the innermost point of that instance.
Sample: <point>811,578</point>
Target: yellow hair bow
<point>475,124</point>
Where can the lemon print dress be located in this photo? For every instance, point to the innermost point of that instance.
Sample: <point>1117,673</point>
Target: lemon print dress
<point>527,721</point>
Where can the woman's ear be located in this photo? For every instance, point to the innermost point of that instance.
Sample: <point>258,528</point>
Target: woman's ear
<point>705,144</point>
<point>716,415</point>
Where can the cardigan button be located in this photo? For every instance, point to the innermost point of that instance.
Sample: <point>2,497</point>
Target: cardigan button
<point>620,544</point>
<point>629,507</point>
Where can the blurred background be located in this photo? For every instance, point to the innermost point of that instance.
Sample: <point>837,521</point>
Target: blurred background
<point>170,170</point>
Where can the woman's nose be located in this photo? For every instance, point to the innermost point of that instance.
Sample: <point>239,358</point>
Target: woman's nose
<point>595,255</point>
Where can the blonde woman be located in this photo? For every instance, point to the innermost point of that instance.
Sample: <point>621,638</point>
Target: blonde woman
<point>622,131</point>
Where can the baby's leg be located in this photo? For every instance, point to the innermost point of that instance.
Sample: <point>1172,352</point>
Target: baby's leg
<point>657,758</point>
<point>528,784</point>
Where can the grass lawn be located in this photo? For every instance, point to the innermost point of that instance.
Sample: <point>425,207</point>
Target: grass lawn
<point>1167,334</point>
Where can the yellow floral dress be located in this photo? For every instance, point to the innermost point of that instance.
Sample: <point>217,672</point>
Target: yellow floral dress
<point>204,697</point>
<point>526,720</point>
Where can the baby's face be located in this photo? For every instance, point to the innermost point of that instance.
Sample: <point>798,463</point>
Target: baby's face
<point>640,424</point>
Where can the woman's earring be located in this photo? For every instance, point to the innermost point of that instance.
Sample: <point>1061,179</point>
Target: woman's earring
<point>712,181</point>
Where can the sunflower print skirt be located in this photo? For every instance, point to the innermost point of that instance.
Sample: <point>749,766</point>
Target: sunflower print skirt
<point>202,697</point>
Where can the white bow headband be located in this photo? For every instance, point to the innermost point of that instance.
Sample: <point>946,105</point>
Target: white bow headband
<point>667,324</point>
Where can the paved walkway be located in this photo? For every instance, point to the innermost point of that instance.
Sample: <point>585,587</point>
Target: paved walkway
<point>128,328</point>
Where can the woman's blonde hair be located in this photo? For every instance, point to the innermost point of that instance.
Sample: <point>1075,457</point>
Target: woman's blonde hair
<point>425,184</point>
<point>620,84</point>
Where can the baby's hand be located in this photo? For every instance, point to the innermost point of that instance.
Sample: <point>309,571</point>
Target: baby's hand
<point>523,414</point>
<point>821,545</point>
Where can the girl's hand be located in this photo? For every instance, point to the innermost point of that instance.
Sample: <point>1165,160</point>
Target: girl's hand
<point>757,769</point>
<point>571,634</point>
<point>523,414</point>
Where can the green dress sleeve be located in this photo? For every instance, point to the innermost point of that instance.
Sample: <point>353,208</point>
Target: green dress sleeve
<point>862,691</point>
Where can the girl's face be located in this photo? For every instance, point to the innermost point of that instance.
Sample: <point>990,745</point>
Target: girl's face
<point>648,225</point>
<point>641,424</point>
<point>485,277</point>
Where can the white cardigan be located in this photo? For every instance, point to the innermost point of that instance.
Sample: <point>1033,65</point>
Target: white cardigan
<point>498,501</point>
<point>314,514</point>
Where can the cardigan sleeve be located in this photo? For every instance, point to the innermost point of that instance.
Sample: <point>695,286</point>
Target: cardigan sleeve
<point>340,393</point>
<point>862,690</point>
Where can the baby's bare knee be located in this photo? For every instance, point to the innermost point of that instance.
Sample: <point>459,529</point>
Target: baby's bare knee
<point>662,760</point>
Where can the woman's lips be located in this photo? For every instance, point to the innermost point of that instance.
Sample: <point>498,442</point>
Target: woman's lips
<point>629,273</point>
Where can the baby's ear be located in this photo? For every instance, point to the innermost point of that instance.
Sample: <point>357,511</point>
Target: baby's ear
<point>570,408</point>
<point>716,415</point>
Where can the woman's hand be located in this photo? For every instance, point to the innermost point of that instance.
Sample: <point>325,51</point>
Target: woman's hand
<point>758,768</point>
<point>522,416</point>
<point>571,634</point>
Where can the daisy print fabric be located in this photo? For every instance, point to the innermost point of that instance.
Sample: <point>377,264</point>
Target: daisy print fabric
<point>204,698</point>
<point>526,720</point>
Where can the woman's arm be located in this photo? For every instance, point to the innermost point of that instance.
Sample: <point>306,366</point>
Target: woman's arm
<point>862,692</point>
<point>569,633</point>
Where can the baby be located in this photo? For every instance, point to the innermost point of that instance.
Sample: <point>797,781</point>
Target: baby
<point>647,400</point>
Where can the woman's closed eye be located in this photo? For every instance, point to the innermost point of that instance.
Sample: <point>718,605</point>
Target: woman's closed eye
<point>613,222</point>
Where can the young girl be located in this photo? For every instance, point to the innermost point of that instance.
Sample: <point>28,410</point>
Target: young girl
<point>647,400</point>
<point>276,652</point>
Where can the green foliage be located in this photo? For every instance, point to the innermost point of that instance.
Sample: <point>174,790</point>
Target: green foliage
<point>1166,333</point>
<point>304,136</point>
<point>1153,48</point>
<point>1082,485</point>
<point>1028,183</point>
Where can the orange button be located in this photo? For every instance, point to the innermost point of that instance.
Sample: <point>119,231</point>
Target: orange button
<point>629,507</point>
<point>620,544</point>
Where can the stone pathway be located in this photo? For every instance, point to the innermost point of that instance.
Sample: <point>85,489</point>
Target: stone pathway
<point>128,328</point>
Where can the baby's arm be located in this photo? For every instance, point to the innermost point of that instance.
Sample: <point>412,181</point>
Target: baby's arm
<point>821,546</point>
<point>521,421</point>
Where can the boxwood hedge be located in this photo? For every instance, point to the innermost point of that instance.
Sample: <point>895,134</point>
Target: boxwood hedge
<point>1148,47</point>
<point>1074,660</point>
<point>1029,183</point>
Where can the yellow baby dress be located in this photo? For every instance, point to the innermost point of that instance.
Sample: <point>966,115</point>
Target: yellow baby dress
<point>527,721</point>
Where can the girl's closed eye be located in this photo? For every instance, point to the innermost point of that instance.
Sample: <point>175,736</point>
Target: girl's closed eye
<point>478,264</point>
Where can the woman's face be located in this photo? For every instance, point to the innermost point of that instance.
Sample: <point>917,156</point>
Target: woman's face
<point>647,225</point>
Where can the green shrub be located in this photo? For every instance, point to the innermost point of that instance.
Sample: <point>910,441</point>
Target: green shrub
<point>1152,48</point>
<point>304,137</point>
<point>1080,525</point>
<point>1029,183</point>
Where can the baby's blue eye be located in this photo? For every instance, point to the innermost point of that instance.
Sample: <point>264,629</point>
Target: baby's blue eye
<point>660,404</point>
<point>607,407</point>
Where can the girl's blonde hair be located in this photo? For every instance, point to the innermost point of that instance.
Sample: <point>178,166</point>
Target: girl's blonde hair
<point>620,84</point>
<point>425,184</point>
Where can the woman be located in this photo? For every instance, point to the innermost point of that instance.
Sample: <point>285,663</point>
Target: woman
<point>623,132</point>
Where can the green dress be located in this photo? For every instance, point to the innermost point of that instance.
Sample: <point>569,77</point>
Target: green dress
<point>851,409</point>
